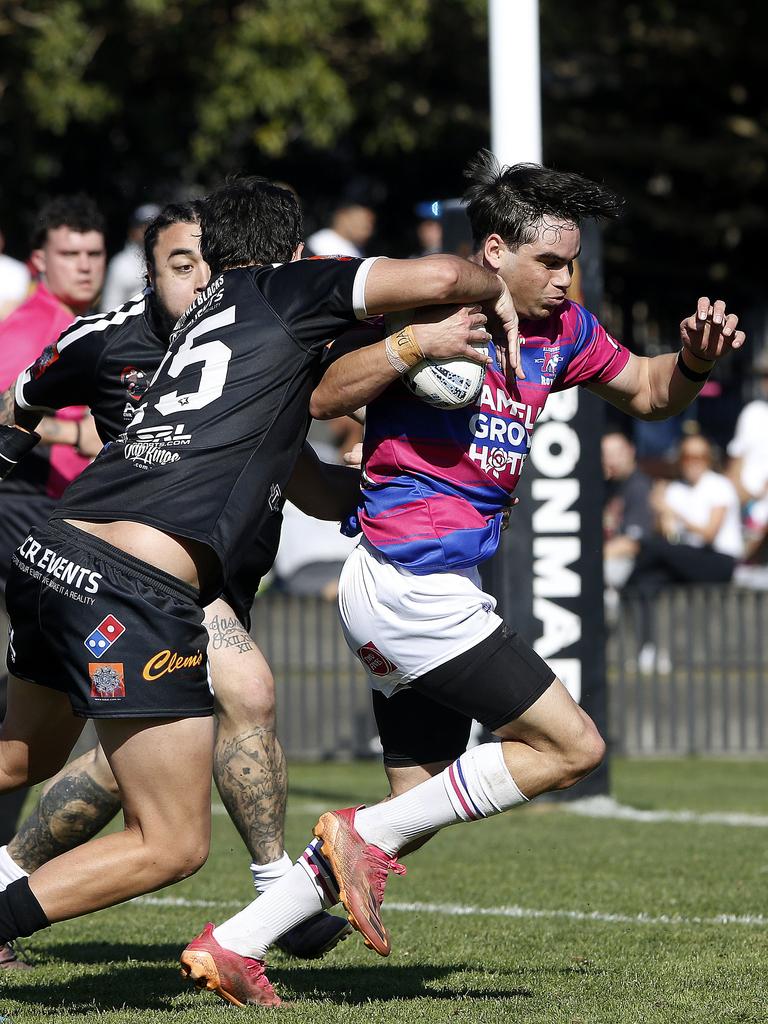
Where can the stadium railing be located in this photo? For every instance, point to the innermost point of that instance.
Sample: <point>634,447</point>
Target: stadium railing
<point>704,692</point>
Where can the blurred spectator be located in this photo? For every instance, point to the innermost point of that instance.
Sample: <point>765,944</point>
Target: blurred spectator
<point>430,236</point>
<point>313,551</point>
<point>125,274</point>
<point>700,536</point>
<point>350,230</point>
<point>429,230</point>
<point>627,513</point>
<point>69,255</point>
<point>14,281</point>
<point>748,451</point>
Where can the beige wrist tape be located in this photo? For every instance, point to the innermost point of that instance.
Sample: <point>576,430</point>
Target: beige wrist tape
<point>403,350</point>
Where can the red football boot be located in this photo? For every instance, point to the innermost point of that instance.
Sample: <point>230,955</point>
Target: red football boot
<point>236,979</point>
<point>361,871</point>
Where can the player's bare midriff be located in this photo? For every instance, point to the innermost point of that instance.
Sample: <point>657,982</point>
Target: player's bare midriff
<point>185,559</point>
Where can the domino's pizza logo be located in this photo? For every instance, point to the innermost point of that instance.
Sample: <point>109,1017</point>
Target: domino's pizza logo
<point>374,660</point>
<point>106,633</point>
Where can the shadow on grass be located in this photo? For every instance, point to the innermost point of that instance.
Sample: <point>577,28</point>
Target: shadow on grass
<point>357,985</point>
<point>142,985</point>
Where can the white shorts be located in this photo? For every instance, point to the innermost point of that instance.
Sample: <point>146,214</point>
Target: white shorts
<point>401,625</point>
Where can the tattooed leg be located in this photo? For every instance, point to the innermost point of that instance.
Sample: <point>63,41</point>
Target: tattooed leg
<point>248,764</point>
<point>74,806</point>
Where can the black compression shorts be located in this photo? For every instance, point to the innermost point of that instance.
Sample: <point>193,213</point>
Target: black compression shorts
<point>493,682</point>
<point>121,638</point>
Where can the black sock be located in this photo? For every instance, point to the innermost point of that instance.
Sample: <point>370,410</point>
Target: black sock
<point>20,913</point>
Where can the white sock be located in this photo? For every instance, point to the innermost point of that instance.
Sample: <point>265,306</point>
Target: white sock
<point>265,875</point>
<point>9,869</point>
<point>476,785</point>
<point>299,894</point>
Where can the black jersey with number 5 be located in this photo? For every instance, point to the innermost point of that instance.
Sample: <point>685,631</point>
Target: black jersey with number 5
<point>215,439</point>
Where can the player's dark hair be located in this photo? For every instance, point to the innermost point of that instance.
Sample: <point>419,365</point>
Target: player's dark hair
<point>511,201</point>
<point>78,212</point>
<point>249,221</point>
<point>173,213</point>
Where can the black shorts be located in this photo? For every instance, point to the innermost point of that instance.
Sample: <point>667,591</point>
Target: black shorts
<point>493,683</point>
<point>121,638</point>
<point>18,514</point>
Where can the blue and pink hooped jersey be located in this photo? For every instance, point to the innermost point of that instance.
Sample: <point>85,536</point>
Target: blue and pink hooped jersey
<point>436,483</point>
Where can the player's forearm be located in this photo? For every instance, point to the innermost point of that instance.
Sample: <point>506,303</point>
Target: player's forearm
<point>56,431</point>
<point>394,285</point>
<point>321,489</point>
<point>667,391</point>
<point>352,381</point>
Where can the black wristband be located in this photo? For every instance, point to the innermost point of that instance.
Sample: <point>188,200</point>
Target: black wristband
<point>688,373</point>
<point>14,445</point>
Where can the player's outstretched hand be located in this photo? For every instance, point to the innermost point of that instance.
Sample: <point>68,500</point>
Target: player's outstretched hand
<point>449,332</point>
<point>509,346</point>
<point>711,332</point>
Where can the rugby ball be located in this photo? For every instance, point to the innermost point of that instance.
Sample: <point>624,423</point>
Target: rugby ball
<point>447,383</point>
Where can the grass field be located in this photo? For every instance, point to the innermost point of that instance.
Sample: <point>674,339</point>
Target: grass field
<point>538,916</point>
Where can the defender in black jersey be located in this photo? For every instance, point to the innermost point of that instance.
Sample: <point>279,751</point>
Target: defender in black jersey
<point>235,385</point>
<point>107,361</point>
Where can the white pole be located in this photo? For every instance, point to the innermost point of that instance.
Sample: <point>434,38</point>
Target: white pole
<point>513,29</point>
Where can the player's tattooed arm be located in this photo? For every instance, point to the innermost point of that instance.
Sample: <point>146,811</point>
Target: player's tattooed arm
<point>73,810</point>
<point>7,408</point>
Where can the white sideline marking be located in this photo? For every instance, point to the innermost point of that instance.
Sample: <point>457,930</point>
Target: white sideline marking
<point>606,807</point>
<point>458,910</point>
<point>596,807</point>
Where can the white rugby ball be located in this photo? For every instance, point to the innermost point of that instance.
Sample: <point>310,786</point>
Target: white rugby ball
<point>447,383</point>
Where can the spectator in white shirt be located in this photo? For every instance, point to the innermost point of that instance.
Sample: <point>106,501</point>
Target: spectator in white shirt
<point>352,225</point>
<point>748,451</point>
<point>126,271</point>
<point>700,537</point>
<point>14,281</point>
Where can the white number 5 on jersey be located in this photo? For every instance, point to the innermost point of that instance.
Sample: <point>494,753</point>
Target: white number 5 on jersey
<point>214,355</point>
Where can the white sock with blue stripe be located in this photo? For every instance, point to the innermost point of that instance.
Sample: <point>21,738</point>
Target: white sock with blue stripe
<point>303,891</point>
<point>477,785</point>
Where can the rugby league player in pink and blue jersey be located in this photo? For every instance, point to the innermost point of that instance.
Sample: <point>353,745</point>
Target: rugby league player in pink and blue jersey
<point>437,489</point>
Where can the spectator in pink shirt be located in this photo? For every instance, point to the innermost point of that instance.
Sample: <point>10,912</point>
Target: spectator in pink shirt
<point>69,255</point>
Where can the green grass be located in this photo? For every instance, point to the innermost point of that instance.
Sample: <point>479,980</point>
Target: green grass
<point>119,965</point>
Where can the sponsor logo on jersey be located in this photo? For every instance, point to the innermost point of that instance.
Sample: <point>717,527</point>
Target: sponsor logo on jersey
<point>48,356</point>
<point>374,660</point>
<point>146,454</point>
<point>275,498</point>
<point>549,363</point>
<point>134,381</point>
<point>165,662</point>
<point>107,680</point>
<point>166,435</point>
<point>108,631</point>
